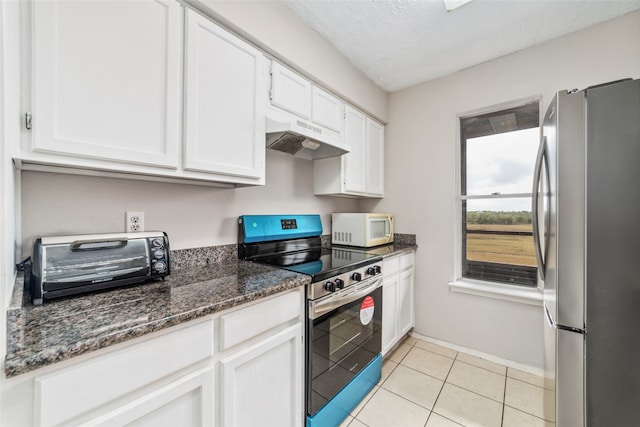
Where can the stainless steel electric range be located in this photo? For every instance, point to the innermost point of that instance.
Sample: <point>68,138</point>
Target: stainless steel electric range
<point>344,309</point>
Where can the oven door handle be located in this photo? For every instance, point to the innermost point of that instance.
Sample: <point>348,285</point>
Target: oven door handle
<point>317,309</point>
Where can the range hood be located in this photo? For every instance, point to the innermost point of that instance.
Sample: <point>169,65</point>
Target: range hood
<point>302,138</point>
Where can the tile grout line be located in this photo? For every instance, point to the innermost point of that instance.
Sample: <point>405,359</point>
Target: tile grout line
<point>379,385</point>
<point>441,388</point>
<point>444,381</point>
<point>504,396</point>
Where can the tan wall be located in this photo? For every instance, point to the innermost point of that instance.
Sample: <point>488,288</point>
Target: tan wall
<point>421,173</point>
<point>192,215</point>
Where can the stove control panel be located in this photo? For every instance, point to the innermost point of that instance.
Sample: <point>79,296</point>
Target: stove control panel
<point>342,281</point>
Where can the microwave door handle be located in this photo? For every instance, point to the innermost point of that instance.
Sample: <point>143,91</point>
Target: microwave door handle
<point>97,244</point>
<point>390,224</point>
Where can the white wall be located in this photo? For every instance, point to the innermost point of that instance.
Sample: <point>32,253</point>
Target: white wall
<point>272,26</point>
<point>421,166</point>
<point>192,215</point>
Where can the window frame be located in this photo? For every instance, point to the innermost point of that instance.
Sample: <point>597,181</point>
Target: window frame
<point>513,292</point>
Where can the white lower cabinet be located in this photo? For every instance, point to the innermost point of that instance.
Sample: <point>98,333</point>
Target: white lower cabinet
<point>186,402</point>
<point>397,298</point>
<point>183,377</point>
<point>103,386</point>
<point>262,385</point>
<point>389,311</point>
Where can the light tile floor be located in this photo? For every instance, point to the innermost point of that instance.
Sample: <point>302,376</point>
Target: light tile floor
<point>426,385</point>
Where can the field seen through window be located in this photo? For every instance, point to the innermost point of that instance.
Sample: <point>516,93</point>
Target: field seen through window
<point>500,237</point>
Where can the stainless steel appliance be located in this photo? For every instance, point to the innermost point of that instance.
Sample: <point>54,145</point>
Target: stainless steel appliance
<point>361,229</point>
<point>586,204</point>
<point>344,307</point>
<point>68,265</point>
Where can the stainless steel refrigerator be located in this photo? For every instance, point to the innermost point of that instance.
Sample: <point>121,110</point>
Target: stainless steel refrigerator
<point>587,213</point>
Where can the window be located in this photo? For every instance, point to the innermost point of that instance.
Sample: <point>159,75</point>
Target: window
<point>498,151</point>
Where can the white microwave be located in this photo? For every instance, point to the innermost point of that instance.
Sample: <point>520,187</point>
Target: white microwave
<point>361,229</point>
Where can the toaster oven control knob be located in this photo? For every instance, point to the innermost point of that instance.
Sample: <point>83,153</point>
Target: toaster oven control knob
<point>157,243</point>
<point>339,283</point>
<point>371,271</point>
<point>356,277</point>
<point>160,267</point>
<point>158,254</point>
<point>330,286</point>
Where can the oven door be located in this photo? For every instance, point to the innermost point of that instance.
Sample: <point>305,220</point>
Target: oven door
<point>342,341</point>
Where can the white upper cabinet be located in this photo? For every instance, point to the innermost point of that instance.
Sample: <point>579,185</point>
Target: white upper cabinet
<point>355,162</point>
<point>326,109</point>
<point>290,91</point>
<point>107,80</point>
<point>143,90</point>
<point>224,109</point>
<point>375,158</point>
<point>359,173</point>
<point>293,93</point>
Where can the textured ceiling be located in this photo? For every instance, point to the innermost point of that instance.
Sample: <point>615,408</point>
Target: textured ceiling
<point>399,43</point>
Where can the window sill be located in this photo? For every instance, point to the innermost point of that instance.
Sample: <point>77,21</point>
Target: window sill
<point>530,296</point>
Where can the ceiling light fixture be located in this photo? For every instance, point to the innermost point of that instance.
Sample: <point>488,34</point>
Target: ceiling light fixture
<point>451,5</point>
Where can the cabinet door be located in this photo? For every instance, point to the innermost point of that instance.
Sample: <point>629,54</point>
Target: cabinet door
<point>405,302</point>
<point>187,402</point>
<point>326,109</point>
<point>262,385</point>
<point>107,80</point>
<point>84,388</point>
<point>389,312</point>
<point>290,91</point>
<point>224,110</point>
<point>375,158</point>
<point>354,162</point>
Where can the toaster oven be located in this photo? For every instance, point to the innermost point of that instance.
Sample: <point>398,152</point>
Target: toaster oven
<point>68,265</point>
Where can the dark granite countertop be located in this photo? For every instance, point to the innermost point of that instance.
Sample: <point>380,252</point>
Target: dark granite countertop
<point>61,329</point>
<point>203,281</point>
<point>389,250</point>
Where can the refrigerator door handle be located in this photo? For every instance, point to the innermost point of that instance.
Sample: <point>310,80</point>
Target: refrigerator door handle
<point>549,319</point>
<point>537,172</point>
<point>554,325</point>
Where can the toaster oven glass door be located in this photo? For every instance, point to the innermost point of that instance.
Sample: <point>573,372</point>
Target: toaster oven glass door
<point>94,262</point>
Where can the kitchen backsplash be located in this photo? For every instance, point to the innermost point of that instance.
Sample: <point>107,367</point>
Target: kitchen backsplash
<point>203,256</point>
<point>208,255</point>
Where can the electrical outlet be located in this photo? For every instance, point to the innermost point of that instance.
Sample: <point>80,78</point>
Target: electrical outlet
<point>134,221</point>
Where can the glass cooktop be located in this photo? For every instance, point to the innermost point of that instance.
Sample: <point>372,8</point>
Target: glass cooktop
<point>320,263</point>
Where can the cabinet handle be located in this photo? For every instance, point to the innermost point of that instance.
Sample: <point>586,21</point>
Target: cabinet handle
<point>27,120</point>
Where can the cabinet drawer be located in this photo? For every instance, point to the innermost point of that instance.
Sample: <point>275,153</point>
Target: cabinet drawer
<point>407,261</point>
<point>391,265</point>
<point>249,322</point>
<point>67,393</point>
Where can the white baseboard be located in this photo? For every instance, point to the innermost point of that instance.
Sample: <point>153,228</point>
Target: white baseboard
<point>509,363</point>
